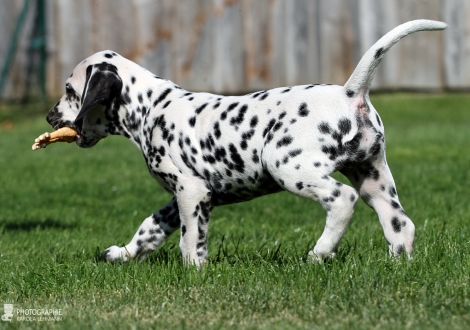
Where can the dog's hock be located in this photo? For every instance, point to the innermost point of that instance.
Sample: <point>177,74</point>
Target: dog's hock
<point>64,134</point>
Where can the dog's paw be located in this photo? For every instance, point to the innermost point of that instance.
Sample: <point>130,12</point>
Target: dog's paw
<point>398,251</point>
<point>318,258</point>
<point>116,254</point>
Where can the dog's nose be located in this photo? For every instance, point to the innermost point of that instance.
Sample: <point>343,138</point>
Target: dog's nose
<point>54,116</point>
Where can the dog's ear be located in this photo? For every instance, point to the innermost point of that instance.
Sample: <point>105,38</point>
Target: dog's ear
<point>102,85</point>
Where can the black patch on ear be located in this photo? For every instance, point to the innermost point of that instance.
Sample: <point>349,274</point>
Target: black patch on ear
<point>102,85</point>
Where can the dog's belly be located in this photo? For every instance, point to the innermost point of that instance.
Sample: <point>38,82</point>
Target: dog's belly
<point>228,183</point>
<point>241,189</point>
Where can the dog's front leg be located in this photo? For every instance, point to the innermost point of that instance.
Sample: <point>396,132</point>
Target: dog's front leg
<point>152,232</point>
<point>194,202</point>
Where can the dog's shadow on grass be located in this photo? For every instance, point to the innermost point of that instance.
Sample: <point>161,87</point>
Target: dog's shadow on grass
<point>30,225</point>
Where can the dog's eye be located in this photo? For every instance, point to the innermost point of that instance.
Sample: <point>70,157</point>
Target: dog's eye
<point>69,90</point>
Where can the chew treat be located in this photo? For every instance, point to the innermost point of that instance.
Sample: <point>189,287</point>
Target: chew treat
<point>64,134</point>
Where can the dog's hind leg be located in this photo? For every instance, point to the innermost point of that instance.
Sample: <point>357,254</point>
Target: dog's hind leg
<point>337,199</point>
<point>375,184</point>
<point>151,234</point>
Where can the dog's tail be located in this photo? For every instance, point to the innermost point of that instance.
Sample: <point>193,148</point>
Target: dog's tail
<point>361,78</point>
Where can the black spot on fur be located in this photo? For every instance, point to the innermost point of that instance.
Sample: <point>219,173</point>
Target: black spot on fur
<point>324,128</point>
<point>299,185</point>
<point>395,205</point>
<point>369,171</point>
<point>192,121</point>
<point>396,225</point>
<point>285,141</point>
<point>303,110</point>
<point>264,96</point>
<point>199,110</point>
<point>277,126</point>
<point>220,153</point>
<point>232,106</point>
<point>378,52</point>
<point>331,150</point>
<point>255,157</point>
<point>375,149</point>
<point>295,152</point>
<point>236,158</point>
<point>241,116</point>
<point>133,80</point>
<point>268,128</point>
<point>344,125</point>
<point>162,96</point>
<point>254,121</point>
<point>217,131</point>
<point>166,104</point>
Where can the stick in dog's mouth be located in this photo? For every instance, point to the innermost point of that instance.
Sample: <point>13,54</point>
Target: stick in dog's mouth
<point>64,134</point>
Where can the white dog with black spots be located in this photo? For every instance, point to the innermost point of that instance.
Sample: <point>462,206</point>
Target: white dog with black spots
<point>209,150</point>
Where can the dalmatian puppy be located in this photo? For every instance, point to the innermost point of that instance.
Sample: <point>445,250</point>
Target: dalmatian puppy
<point>209,150</point>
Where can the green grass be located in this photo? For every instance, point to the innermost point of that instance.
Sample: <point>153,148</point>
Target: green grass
<point>61,207</point>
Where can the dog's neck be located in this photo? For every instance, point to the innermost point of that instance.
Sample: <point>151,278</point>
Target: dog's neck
<point>130,113</point>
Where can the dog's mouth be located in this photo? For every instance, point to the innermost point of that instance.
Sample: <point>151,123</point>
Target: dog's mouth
<point>58,123</point>
<point>78,137</point>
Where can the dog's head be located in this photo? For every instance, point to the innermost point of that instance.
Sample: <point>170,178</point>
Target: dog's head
<point>92,99</point>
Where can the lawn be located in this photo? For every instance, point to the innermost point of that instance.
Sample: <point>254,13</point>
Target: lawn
<point>62,206</point>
